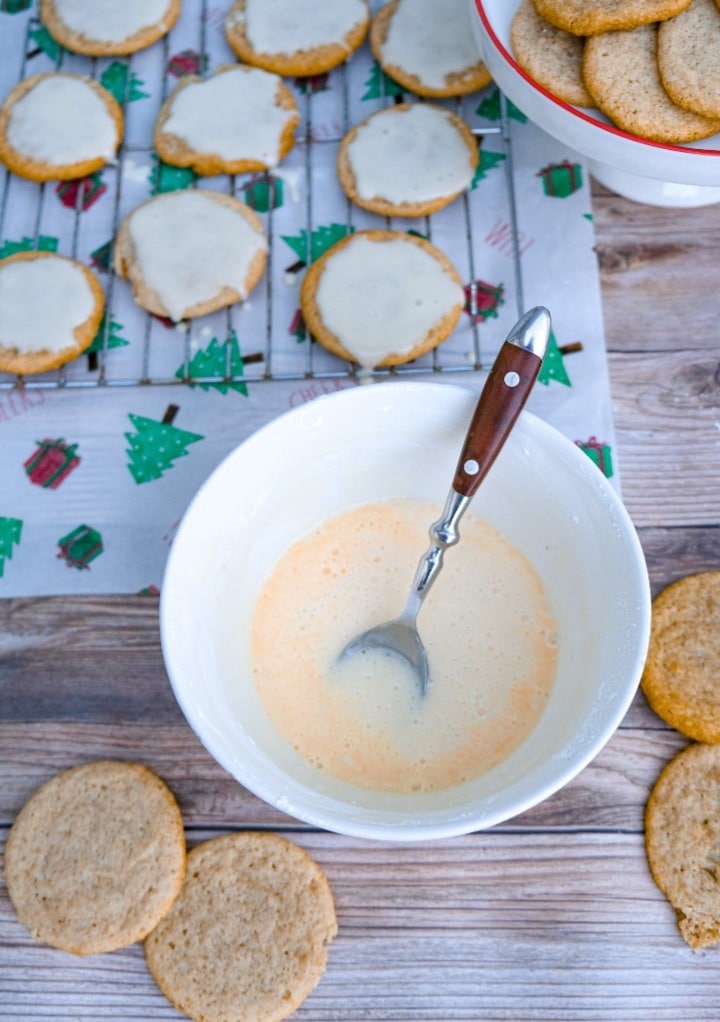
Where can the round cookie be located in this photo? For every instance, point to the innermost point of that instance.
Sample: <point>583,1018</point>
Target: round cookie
<point>190,252</point>
<point>621,74</point>
<point>106,27</point>
<point>428,48</point>
<point>589,17</point>
<point>50,311</point>
<point>57,126</point>
<point>682,837</point>
<point>681,680</point>
<point>550,55</point>
<point>246,940</point>
<point>407,160</point>
<point>381,298</point>
<point>689,58</point>
<point>96,857</point>
<point>240,119</point>
<point>296,37</point>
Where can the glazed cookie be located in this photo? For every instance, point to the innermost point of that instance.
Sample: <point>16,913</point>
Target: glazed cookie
<point>589,17</point>
<point>104,27</point>
<point>296,37</point>
<point>96,857</point>
<point>240,119</point>
<point>50,310</point>
<point>552,56</point>
<point>188,253</point>
<point>682,838</point>
<point>407,160</point>
<point>428,48</point>
<point>621,74</point>
<point>681,680</point>
<point>58,126</point>
<point>381,298</point>
<point>689,58</point>
<point>247,938</point>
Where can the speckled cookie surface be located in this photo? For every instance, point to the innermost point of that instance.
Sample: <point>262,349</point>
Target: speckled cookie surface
<point>429,48</point>
<point>51,308</point>
<point>96,857</point>
<point>106,27</point>
<point>246,940</point>
<point>409,160</point>
<point>689,58</point>
<point>681,679</point>
<point>588,17</point>
<point>550,55</point>
<point>682,841</point>
<point>238,120</point>
<point>59,126</point>
<point>296,37</point>
<point>621,74</point>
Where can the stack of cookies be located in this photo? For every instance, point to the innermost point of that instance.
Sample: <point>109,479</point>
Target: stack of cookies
<point>651,66</point>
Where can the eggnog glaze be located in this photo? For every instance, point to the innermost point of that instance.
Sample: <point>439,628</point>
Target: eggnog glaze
<point>489,632</point>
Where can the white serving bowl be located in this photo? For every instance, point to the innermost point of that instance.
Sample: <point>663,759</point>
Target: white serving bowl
<point>645,171</point>
<point>393,440</point>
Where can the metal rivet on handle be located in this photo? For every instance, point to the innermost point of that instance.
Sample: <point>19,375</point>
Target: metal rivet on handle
<point>511,378</point>
<point>471,467</point>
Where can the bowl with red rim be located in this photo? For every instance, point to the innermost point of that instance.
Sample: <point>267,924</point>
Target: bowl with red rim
<point>637,168</point>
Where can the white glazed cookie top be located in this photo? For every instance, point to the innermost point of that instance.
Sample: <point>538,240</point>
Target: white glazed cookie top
<point>62,120</point>
<point>42,302</point>
<point>110,21</point>
<point>287,26</point>
<point>188,247</point>
<point>431,39</point>
<point>234,114</point>
<point>409,155</point>
<point>382,298</point>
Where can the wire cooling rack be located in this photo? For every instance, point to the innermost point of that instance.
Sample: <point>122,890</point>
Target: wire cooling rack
<point>262,339</point>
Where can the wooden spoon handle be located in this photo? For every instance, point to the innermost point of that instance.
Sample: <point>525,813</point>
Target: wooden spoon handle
<point>506,390</point>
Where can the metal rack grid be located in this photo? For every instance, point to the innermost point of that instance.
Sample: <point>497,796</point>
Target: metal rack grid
<point>260,365</point>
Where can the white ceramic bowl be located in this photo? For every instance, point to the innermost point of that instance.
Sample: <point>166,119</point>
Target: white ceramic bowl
<point>645,171</point>
<point>402,439</point>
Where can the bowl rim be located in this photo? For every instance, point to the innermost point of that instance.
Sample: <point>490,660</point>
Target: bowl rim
<point>336,815</point>
<point>574,111</point>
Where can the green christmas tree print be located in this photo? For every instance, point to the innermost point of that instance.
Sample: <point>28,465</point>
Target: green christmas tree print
<point>491,110</point>
<point>321,240</point>
<point>112,340</point>
<point>44,43</point>
<point>164,178</point>
<point>156,445</point>
<point>379,84</point>
<point>15,6</point>
<point>488,161</point>
<point>553,366</point>
<point>219,359</point>
<point>10,533</point>
<point>124,85</point>
<point>45,243</point>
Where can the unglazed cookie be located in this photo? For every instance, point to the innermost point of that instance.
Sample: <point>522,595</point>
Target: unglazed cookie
<point>50,310</point>
<point>689,58</point>
<point>682,838</point>
<point>96,857</point>
<point>428,47</point>
<point>407,160</point>
<point>588,17</point>
<point>381,298</point>
<point>550,55</point>
<point>58,126</point>
<point>246,940</point>
<point>296,37</point>
<point>621,74</point>
<point>681,679</point>
<point>240,119</point>
<point>190,252</point>
<point>104,27</point>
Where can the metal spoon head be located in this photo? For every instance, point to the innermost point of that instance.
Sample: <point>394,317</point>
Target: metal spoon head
<point>395,638</point>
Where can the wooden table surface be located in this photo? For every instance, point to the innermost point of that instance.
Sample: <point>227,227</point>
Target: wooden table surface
<point>553,916</point>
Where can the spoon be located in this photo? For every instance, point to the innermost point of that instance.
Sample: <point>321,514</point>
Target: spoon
<point>506,390</point>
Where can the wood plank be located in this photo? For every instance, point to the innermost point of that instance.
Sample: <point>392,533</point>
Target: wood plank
<point>493,926</point>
